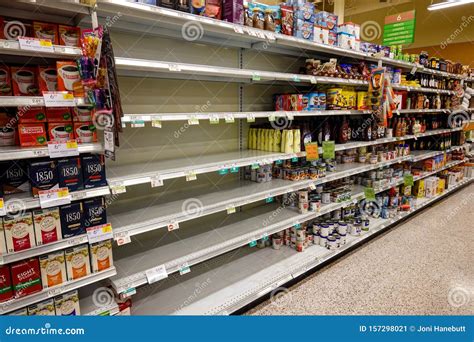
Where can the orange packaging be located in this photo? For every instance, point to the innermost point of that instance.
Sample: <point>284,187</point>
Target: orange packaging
<point>5,81</point>
<point>69,35</point>
<point>24,81</point>
<point>32,135</point>
<point>60,131</point>
<point>85,132</point>
<point>58,114</point>
<point>31,114</point>
<point>101,255</point>
<point>47,78</point>
<point>53,269</point>
<point>68,76</point>
<point>77,262</point>
<point>46,31</point>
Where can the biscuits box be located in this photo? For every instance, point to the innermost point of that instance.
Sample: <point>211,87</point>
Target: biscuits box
<point>47,225</point>
<point>47,78</point>
<point>77,262</point>
<point>32,135</point>
<point>93,171</point>
<point>346,41</point>
<point>45,308</point>
<point>53,269</point>
<point>26,277</point>
<point>69,35</point>
<point>19,232</point>
<point>101,255</point>
<point>24,81</point>
<point>46,31</point>
<point>31,114</point>
<point>85,132</point>
<point>14,177</point>
<point>72,220</point>
<point>58,114</point>
<point>6,289</point>
<point>82,114</point>
<point>68,76</point>
<point>60,131</point>
<point>67,304</point>
<point>43,175</point>
<point>94,212</point>
<point>321,35</point>
<point>304,11</point>
<point>327,20</point>
<point>5,81</point>
<point>70,173</point>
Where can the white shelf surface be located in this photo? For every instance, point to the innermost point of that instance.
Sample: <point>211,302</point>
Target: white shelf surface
<point>24,201</point>
<point>229,284</point>
<point>17,303</point>
<point>12,47</point>
<point>249,226</point>
<point>97,300</point>
<point>17,152</point>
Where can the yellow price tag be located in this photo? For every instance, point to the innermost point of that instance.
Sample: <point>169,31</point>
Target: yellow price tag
<point>63,193</point>
<point>1,203</point>
<point>107,228</point>
<point>46,42</point>
<point>71,144</point>
<point>68,96</point>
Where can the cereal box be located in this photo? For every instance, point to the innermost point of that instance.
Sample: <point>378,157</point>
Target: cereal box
<point>6,289</point>
<point>5,81</point>
<point>53,269</point>
<point>31,114</point>
<point>77,262</point>
<point>32,135</point>
<point>67,304</point>
<point>46,31</point>
<point>45,308</point>
<point>47,78</point>
<point>26,277</point>
<point>69,35</point>
<point>68,76</point>
<point>24,81</point>
<point>101,255</point>
<point>19,232</point>
<point>47,225</point>
<point>60,131</point>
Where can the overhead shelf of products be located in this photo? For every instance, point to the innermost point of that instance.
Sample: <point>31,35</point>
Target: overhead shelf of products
<point>18,303</point>
<point>17,152</point>
<point>229,283</point>
<point>12,47</point>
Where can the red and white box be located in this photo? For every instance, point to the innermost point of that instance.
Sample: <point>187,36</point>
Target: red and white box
<point>19,232</point>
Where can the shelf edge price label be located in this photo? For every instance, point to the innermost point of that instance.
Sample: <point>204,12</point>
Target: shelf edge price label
<point>312,186</point>
<point>238,29</point>
<point>184,269</point>
<point>190,176</point>
<point>122,238</point>
<point>313,80</point>
<point>100,233</point>
<point>296,78</point>
<point>57,149</point>
<point>193,120</point>
<point>3,210</point>
<point>156,273</point>
<point>214,119</point>
<point>128,292</point>
<point>172,226</point>
<point>223,171</point>
<point>174,67</point>
<point>290,116</point>
<point>55,291</point>
<point>35,44</point>
<point>272,117</point>
<point>234,169</point>
<point>250,117</point>
<point>255,166</point>
<point>156,181</point>
<point>54,197</point>
<point>230,209</point>
<point>269,199</point>
<point>58,99</point>
<point>229,118</point>
<point>252,243</point>
<point>408,180</point>
<point>256,77</point>
<point>118,188</point>
<point>156,123</point>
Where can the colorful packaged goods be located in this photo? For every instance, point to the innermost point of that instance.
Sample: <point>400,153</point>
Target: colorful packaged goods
<point>53,269</point>
<point>19,232</point>
<point>26,277</point>
<point>47,225</point>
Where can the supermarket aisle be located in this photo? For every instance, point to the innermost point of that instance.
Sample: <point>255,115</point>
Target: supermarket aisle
<point>423,267</point>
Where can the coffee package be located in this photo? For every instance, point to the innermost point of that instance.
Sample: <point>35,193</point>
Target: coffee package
<point>72,220</point>
<point>43,175</point>
<point>93,171</point>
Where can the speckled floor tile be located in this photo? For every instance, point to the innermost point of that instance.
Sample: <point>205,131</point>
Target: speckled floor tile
<point>422,267</point>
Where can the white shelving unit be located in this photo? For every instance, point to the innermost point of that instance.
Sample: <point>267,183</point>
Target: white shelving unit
<point>17,152</point>
<point>12,47</point>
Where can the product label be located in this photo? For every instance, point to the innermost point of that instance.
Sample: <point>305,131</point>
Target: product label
<point>54,197</point>
<point>329,150</point>
<point>35,44</point>
<point>408,180</point>
<point>155,274</point>
<point>312,151</point>
<point>369,194</point>
<point>100,233</point>
<point>58,99</point>
<point>57,149</point>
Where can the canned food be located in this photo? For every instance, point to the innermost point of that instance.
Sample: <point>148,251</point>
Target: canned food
<point>326,197</point>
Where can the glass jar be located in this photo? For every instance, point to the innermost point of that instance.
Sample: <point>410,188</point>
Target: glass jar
<point>269,20</point>
<point>257,18</point>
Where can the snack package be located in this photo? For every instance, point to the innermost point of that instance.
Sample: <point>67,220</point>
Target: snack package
<point>69,35</point>
<point>47,78</point>
<point>287,20</point>
<point>46,31</point>
<point>5,81</point>
<point>24,81</point>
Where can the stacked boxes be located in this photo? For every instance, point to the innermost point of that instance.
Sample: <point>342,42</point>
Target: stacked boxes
<point>304,20</point>
<point>325,24</point>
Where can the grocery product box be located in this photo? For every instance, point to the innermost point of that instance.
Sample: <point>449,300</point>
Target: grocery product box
<point>19,232</point>
<point>287,19</point>
<point>77,262</point>
<point>332,38</point>
<point>346,41</point>
<point>82,114</point>
<point>303,29</point>
<point>5,81</point>
<point>46,31</point>
<point>67,304</point>
<point>93,171</point>
<point>68,76</point>
<point>26,277</point>
<point>69,35</point>
<point>32,135</point>
<point>85,132</point>
<point>304,11</point>
<point>72,220</point>
<point>6,289</point>
<point>419,188</point>
<point>321,35</point>
<point>441,185</point>
<point>70,173</point>
<point>431,187</point>
<point>44,308</point>
<point>327,20</point>
<point>43,175</point>
<point>24,81</point>
<point>101,255</point>
<point>233,11</point>
<point>47,78</point>
<point>47,225</point>
<point>31,114</point>
<point>350,28</point>
<point>14,177</point>
<point>59,114</point>
<point>60,131</point>
<point>53,269</point>
<point>94,212</point>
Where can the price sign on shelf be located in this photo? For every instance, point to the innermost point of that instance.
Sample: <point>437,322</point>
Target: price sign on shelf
<point>193,120</point>
<point>190,176</point>
<point>100,233</point>
<point>57,149</point>
<point>214,119</point>
<point>35,44</point>
<point>156,123</point>
<point>156,273</point>
<point>329,150</point>
<point>408,180</point>
<point>312,151</point>
<point>156,181</point>
<point>230,209</point>
<point>250,117</point>
<point>229,118</point>
<point>58,99</point>
<point>173,226</point>
<point>184,268</point>
<point>54,197</point>
<point>122,238</point>
<point>3,210</point>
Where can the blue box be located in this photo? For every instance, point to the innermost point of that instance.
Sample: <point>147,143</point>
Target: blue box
<point>72,220</point>
<point>304,12</point>
<point>70,173</point>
